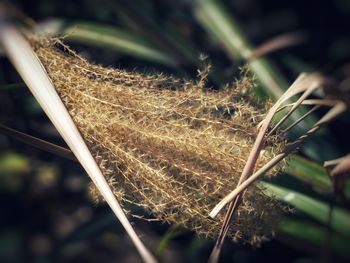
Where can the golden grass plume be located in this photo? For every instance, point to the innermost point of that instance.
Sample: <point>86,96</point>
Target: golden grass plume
<point>171,146</point>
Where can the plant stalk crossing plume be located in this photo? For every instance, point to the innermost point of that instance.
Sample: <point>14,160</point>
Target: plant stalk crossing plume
<point>170,146</point>
<point>177,148</point>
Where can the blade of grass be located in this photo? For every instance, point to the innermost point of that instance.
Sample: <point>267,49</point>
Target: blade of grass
<point>34,75</point>
<point>335,161</point>
<point>291,126</point>
<point>342,168</point>
<point>316,234</point>
<point>276,43</point>
<point>166,37</point>
<point>214,17</point>
<point>313,86</point>
<point>301,84</point>
<point>316,209</point>
<point>248,180</point>
<point>38,143</point>
<point>109,37</point>
<point>313,102</point>
<point>309,172</point>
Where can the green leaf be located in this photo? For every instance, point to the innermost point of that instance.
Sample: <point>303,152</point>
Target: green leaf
<point>309,172</point>
<point>164,36</point>
<point>316,235</point>
<point>167,37</point>
<point>316,209</point>
<point>113,38</point>
<point>214,17</point>
<point>313,174</point>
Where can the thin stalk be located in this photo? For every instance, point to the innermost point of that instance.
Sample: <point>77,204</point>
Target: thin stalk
<point>300,119</point>
<point>247,171</point>
<point>38,143</point>
<point>337,109</point>
<point>310,102</point>
<point>277,43</point>
<point>335,161</point>
<point>294,107</point>
<point>304,84</point>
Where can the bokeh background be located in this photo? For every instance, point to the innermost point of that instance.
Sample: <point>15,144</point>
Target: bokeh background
<point>46,212</point>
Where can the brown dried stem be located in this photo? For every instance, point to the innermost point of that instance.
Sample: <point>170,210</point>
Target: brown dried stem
<point>305,84</point>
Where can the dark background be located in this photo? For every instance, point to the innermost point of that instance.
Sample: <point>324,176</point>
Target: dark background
<point>46,213</point>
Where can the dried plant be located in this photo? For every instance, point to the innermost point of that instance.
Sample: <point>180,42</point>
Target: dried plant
<point>170,146</point>
<point>33,73</point>
<point>174,147</point>
<point>304,86</point>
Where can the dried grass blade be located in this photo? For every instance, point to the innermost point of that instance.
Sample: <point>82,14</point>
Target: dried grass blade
<point>304,83</point>
<point>248,169</point>
<point>310,102</point>
<point>301,118</point>
<point>337,109</point>
<point>277,43</point>
<point>305,94</point>
<point>342,168</point>
<point>335,161</point>
<point>33,73</point>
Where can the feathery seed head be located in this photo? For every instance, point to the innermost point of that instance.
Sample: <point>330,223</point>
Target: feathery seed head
<point>168,145</point>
